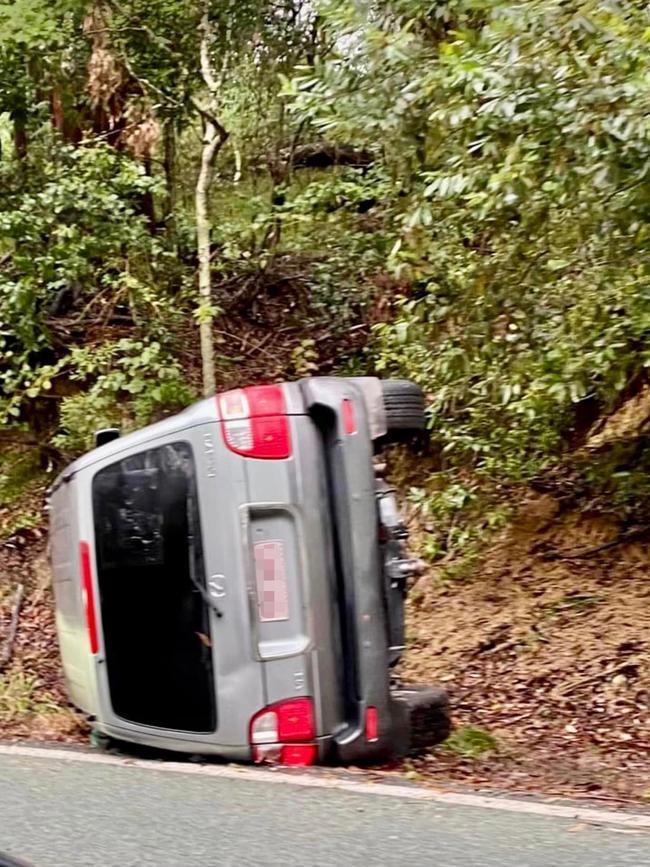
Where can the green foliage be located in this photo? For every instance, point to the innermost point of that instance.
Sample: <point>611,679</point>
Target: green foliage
<point>33,23</point>
<point>458,515</point>
<point>22,694</point>
<point>74,244</point>
<point>517,138</point>
<point>304,358</point>
<point>19,520</point>
<point>21,489</point>
<point>19,468</point>
<point>498,245</point>
<point>128,383</point>
<point>470,742</point>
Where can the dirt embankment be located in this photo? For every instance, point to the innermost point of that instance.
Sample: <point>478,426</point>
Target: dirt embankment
<point>33,701</point>
<point>546,646</point>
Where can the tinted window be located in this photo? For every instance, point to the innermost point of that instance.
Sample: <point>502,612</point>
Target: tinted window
<point>155,622</point>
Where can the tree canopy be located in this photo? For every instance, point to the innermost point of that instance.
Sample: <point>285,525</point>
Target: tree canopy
<point>488,226</point>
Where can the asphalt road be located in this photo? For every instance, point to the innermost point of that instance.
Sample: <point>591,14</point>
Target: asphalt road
<point>57,813</point>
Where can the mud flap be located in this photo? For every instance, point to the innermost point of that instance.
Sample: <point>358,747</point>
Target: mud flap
<point>426,714</point>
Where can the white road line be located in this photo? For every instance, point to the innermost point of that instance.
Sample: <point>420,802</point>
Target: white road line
<point>575,812</point>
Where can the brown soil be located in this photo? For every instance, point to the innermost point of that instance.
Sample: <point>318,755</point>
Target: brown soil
<point>545,646</point>
<point>41,712</point>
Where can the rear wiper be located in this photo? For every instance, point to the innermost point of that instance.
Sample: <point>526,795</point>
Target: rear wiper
<point>198,586</point>
<point>209,601</point>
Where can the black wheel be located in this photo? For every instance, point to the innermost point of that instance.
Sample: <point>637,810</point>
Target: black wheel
<point>429,714</point>
<point>404,409</point>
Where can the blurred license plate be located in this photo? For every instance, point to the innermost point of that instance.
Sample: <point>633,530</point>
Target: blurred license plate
<point>270,574</point>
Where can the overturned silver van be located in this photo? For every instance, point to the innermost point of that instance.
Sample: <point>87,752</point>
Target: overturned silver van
<point>231,580</point>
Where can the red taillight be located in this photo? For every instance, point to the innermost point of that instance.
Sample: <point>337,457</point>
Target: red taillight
<point>296,720</point>
<point>265,400</point>
<point>299,755</point>
<point>372,725</point>
<point>255,423</point>
<point>349,419</point>
<point>279,733</point>
<point>88,595</point>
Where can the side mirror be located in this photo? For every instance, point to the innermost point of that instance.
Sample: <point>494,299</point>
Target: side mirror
<point>106,435</point>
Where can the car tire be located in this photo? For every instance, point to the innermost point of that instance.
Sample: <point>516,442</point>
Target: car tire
<point>404,409</point>
<point>429,714</point>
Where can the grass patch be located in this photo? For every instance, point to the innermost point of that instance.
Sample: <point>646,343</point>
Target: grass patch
<point>23,519</point>
<point>469,742</point>
<point>22,484</point>
<point>22,695</point>
<point>18,472</point>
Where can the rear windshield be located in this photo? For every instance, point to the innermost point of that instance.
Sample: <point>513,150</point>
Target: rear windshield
<point>149,558</point>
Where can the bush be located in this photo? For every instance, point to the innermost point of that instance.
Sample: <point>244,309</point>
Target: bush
<point>516,136</point>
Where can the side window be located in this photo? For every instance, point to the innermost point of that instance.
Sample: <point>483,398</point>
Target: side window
<point>146,511</point>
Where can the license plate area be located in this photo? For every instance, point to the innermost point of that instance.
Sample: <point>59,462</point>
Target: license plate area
<point>271,581</point>
<point>277,580</point>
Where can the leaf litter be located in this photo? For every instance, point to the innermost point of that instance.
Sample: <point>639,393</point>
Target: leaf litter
<point>548,656</point>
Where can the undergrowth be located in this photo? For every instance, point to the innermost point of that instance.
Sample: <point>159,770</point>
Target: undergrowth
<point>22,695</point>
<point>470,742</point>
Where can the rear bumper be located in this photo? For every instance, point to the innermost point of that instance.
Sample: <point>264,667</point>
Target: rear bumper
<point>181,743</point>
<point>353,512</point>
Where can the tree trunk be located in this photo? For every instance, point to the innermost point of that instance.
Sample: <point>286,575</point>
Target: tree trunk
<point>169,165</point>
<point>211,145</point>
<point>147,203</point>
<point>214,137</point>
<point>19,117</point>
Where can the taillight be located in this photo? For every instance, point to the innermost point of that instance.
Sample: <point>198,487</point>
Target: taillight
<point>299,755</point>
<point>281,733</point>
<point>349,418</point>
<point>372,725</point>
<point>255,423</point>
<point>88,595</point>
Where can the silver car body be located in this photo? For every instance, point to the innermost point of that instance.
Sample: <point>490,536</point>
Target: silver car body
<point>320,503</point>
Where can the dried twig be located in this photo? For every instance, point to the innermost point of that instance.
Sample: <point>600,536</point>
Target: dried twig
<point>242,342</point>
<point>570,687</point>
<point>8,649</point>
<point>637,533</point>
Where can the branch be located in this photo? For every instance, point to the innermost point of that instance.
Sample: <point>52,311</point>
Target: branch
<point>322,154</point>
<point>565,689</point>
<point>157,40</point>
<point>585,554</point>
<point>210,117</point>
<point>8,650</point>
<point>206,64</point>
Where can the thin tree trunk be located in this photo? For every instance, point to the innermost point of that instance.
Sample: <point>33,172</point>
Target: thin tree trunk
<point>238,162</point>
<point>169,164</point>
<point>19,117</point>
<point>214,137</point>
<point>211,145</point>
<point>147,202</point>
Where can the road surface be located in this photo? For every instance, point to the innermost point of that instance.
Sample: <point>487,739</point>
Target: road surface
<point>60,813</point>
